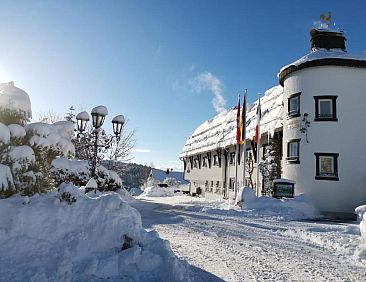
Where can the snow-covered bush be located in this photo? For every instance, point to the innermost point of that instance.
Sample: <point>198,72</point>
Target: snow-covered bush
<point>29,149</point>
<point>78,173</point>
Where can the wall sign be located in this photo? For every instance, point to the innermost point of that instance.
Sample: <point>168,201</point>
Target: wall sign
<point>283,189</point>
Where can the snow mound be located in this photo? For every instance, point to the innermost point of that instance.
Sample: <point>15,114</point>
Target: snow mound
<point>361,211</point>
<point>299,207</point>
<point>156,191</point>
<point>47,238</point>
<point>125,195</point>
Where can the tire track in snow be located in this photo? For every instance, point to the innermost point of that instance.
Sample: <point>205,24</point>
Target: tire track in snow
<point>247,248</point>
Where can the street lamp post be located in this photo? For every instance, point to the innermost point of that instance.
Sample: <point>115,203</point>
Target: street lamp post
<point>96,143</point>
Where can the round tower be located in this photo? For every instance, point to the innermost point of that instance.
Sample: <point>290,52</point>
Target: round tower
<point>324,124</point>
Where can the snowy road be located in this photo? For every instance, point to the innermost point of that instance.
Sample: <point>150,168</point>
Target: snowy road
<point>251,248</point>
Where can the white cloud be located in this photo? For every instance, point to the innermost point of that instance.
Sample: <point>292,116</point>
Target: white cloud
<point>137,150</point>
<point>208,81</point>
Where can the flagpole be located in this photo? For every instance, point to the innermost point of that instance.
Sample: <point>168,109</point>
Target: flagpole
<point>258,144</point>
<point>238,137</point>
<point>236,172</point>
<point>244,134</point>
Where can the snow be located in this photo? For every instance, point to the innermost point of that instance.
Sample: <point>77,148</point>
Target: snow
<point>119,119</point>
<point>83,116</point>
<point>92,183</point>
<point>100,110</point>
<point>320,54</point>
<point>299,207</point>
<point>15,99</point>
<point>156,191</point>
<point>57,135</point>
<point>22,157</point>
<point>76,167</point>
<point>220,131</point>
<point>4,134</point>
<point>116,179</point>
<point>135,191</point>
<point>280,180</point>
<point>361,211</point>
<point>6,178</point>
<point>52,238</point>
<point>16,131</point>
<point>226,243</point>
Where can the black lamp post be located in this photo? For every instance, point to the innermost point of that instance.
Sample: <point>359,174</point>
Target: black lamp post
<point>96,143</point>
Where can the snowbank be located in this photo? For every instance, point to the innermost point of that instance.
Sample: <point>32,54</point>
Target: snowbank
<point>68,236</point>
<point>361,211</point>
<point>299,207</point>
<point>156,191</point>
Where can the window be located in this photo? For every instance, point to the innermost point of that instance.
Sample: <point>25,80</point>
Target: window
<point>293,151</point>
<point>205,162</point>
<point>293,105</point>
<point>216,160</point>
<point>325,108</point>
<point>326,166</point>
<point>232,158</point>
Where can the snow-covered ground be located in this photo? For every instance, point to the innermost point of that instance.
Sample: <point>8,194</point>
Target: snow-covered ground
<point>71,236</point>
<point>250,245</point>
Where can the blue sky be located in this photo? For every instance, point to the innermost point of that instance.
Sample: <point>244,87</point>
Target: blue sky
<point>157,62</point>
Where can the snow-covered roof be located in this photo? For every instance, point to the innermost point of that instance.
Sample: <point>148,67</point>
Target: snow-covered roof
<point>332,56</point>
<point>14,98</point>
<point>161,175</point>
<point>220,131</point>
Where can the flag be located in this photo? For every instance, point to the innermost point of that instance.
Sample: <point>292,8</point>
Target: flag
<point>243,119</point>
<point>259,116</point>
<point>238,132</point>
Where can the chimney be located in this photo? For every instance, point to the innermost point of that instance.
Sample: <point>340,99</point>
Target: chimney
<point>327,39</point>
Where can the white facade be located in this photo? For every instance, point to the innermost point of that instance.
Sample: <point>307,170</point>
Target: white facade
<point>321,116</point>
<point>208,152</point>
<point>345,136</point>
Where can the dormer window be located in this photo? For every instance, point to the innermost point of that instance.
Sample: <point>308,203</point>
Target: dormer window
<point>325,108</point>
<point>293,105</point>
